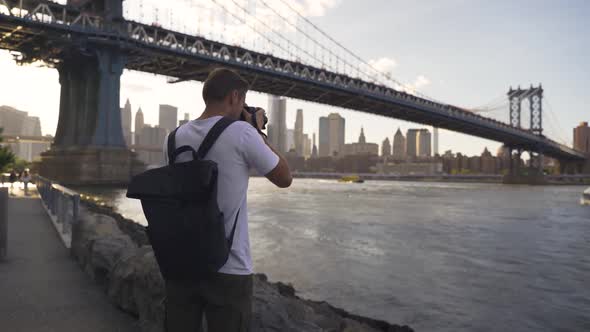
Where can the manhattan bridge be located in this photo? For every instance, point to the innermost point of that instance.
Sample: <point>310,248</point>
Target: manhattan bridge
<point>91,42</point>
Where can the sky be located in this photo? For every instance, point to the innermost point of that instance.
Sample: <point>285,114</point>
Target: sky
<point>462,52</point>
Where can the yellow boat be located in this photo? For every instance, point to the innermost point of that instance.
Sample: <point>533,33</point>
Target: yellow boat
<point>351,178</point>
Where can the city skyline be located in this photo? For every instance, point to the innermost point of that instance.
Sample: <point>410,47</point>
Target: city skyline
<point>449,77</point>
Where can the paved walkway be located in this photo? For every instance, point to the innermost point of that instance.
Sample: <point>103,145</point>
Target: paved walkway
<point>42,289</point>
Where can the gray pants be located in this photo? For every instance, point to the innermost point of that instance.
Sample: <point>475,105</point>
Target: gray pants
<point>225,299</point>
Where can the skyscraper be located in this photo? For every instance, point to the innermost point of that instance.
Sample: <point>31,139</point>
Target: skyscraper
<point>314,148</point>
<point>168,117</point>
<point>582,138</point>
<point>412,143</point>
<point>290,140</point>
<point>362,138</point>
<point>13,121</point>
<point>386,148</point>
<point>186,119</point>
<point>153,138</point>
<point>298,134</point>
<point>361,147</point>
<point>19,123</point>
<point>277,129</point>
<point>306,146</point>
<point>126,122</point>
<point>435,139</point>
<point>424,143</point>
<point>138,125</point>
<point>331,135</point>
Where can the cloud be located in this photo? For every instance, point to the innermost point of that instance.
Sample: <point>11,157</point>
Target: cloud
<point>385,65</point>
<point>317,7</point>
<point>420,82</point>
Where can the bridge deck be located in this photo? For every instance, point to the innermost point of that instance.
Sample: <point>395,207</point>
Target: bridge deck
<point>45,30</point>
<point>41,286</point>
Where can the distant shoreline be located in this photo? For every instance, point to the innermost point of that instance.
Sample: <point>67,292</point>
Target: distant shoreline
<point>551,179</point>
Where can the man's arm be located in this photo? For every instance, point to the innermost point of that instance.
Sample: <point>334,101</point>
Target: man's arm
<point>281,174</point>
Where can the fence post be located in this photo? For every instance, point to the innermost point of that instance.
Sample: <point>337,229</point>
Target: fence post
<point>75,208</point>
<point>3,222</point>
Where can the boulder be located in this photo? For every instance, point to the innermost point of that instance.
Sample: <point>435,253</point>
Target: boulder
<point>102,254</point>
<point>90,226</point>
<point>133,282</point>
<point>149,291</point>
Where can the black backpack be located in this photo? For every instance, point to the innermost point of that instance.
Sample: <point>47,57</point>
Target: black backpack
<point>185,225</point>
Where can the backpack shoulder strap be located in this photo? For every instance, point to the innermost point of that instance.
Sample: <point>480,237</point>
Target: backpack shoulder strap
<point>212,136</point>
<point>172,146</point>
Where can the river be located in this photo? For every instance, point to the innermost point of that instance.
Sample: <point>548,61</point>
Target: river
<point>435,256</point>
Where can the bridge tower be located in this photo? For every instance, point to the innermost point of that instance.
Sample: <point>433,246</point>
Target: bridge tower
<point>89,146</point>
<point>534,173</point>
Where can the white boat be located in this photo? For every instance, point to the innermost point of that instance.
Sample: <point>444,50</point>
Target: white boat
<point>586,197</point>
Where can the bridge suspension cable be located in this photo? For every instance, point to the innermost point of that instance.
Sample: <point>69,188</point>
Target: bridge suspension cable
<point>357,57</point>
<point>554,122</point>
<point>306,35</point>
<point>256,30</point>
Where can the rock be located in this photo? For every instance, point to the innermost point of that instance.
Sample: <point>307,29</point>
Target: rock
<point>103,253</point>
<point>89,227</point>
<point>133,282</point>
<point>121,288</point>
<point>149,291</point>
<point>128,226</point>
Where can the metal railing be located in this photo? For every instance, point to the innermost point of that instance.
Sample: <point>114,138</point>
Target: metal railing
<point>62,205</point>
<point>3,222</point>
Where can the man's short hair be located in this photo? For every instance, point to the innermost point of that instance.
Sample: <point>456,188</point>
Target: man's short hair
<point>220,83</point>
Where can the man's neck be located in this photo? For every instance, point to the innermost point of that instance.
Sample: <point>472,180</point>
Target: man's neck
<point>211,111</point>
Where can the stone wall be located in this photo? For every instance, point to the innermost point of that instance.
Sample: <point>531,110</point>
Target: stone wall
<point>127,270</point>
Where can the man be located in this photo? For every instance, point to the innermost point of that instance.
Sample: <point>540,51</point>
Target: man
<point>12,180</point>
<point>226,297</point>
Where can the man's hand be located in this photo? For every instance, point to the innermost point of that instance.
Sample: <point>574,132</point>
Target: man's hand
<point>260,113</point>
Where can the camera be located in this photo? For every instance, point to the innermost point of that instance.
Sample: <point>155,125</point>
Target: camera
<point>252,111</point>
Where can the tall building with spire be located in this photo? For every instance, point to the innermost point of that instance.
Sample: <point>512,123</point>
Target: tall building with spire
<point>126,122</point>
<point>298,134</point>
<point>139,124</point>
<point>399,146</point>
<point>361,147</point>
<point>362,138</point>
<point>386,148</point>
<point>314,148</point>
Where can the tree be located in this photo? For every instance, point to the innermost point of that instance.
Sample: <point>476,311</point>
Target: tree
<point>6,155</point>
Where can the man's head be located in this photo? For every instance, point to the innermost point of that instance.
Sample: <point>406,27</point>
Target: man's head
<point>225,89</point>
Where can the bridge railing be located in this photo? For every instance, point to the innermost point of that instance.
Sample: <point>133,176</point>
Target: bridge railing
<point>62,205</point>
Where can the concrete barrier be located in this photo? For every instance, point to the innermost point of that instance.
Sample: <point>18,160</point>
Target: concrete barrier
<point>3,222</point>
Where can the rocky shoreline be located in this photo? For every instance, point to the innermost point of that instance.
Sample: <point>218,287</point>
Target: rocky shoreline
<point>115,252</point>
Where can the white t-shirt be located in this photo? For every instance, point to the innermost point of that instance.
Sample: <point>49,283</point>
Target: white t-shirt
<point>238,149</point>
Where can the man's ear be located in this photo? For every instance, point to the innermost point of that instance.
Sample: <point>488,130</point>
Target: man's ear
<point>234,97</point>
